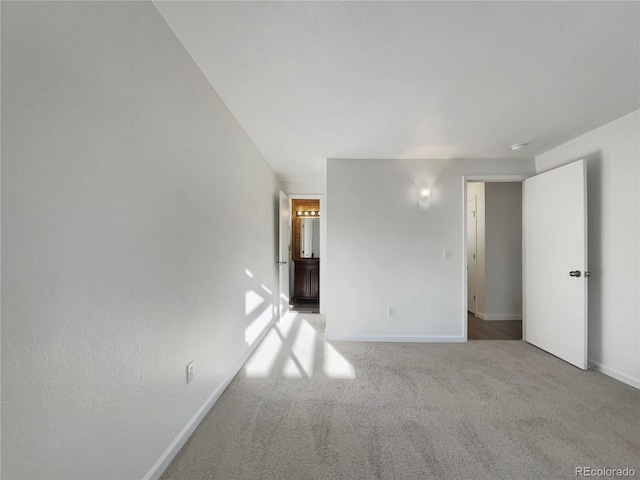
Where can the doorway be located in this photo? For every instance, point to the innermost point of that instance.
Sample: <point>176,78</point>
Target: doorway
<point>494,260</point>
<point>306,254</point>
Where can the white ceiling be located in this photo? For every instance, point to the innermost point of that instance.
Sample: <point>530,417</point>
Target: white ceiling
<point>315,80</point>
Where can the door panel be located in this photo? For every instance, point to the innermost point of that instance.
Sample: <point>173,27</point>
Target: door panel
<point>555,243</point>
<point>284,252</point>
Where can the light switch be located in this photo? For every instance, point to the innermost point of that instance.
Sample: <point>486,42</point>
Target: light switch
<point>446,254</point>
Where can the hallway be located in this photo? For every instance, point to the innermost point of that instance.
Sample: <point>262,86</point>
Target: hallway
<point>479,329</point>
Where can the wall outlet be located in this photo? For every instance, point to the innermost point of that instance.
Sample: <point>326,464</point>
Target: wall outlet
<point>190,372</point>
<point>391,311</point>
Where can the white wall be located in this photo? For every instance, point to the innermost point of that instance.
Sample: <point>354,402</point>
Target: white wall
<point>302,187</point>
<point>384,250</point>
<point>613,157</point>
<point>503,251</point>
<point>132,203</point>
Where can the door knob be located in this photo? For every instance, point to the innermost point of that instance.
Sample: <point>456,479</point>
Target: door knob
<point>575,273</point>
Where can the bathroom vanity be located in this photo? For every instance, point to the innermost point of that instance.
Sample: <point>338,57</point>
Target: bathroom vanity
<point>306,285</point>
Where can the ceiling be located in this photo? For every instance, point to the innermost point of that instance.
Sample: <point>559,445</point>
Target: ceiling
<point>315,80</point>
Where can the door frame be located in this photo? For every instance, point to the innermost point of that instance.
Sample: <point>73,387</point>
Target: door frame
<point>323,240</point>
<point>488,179</point>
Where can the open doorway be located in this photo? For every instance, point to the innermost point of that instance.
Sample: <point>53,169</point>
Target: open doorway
<point>494,260</point>
<point>305,255</point>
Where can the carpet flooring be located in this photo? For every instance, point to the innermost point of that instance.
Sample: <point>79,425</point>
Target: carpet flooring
<point>304,408</point>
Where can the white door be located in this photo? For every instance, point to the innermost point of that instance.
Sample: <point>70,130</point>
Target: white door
<point>472,252</point>
<point>555,262</point>
<point>283,252</point>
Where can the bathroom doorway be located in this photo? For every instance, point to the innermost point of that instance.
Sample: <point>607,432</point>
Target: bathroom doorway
<point>306,255</point>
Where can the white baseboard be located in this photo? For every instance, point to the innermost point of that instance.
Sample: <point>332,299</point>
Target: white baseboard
<point>174,447</point>
<point>500,316</point>
<point>612,372</point>
<point>397,338</point>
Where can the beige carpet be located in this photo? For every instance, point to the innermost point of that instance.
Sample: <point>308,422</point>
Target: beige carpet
<point>306,409</point>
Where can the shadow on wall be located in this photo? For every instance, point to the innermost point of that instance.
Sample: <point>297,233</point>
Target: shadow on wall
<point>295,348</point>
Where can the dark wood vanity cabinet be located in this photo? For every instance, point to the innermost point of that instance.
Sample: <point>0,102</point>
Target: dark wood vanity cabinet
<point>306,284</point>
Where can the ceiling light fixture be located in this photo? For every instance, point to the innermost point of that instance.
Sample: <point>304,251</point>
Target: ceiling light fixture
<point>519,146</point>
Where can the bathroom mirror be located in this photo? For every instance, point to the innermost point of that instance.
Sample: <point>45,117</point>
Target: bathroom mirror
<point>310,238</point>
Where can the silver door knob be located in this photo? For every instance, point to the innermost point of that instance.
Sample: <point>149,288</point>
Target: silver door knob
<point>575,273</point>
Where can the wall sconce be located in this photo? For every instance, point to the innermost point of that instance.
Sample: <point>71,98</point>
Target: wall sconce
<point>312,213</point>
<point>424,197</point>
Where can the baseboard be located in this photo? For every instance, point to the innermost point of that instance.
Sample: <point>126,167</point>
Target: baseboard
<point>397,338</point>
<point>501,316</point>
<point>172,450</point>
<point>612,372</point>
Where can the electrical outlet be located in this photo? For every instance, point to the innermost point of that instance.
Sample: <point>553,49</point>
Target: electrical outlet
<point>190,372</point>
<point>391,311</point>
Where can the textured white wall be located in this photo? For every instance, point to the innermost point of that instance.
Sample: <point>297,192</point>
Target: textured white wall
<point>384,250</point>
<point>132,203</point>
<point>612,153</point>
<point>503,251</point>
